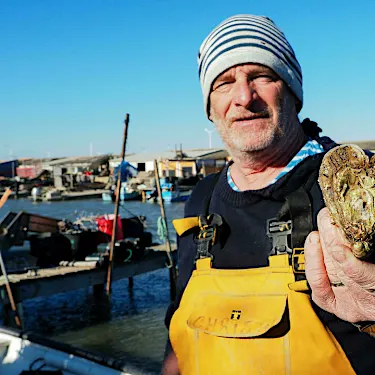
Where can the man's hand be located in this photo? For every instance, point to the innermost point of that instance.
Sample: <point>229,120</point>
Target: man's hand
<point>170,365</point>
<point>341,284</point>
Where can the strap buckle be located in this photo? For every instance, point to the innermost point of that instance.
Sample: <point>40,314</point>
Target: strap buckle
<point>278,231</point>
<point>207,235</point>
<point>298,260</point>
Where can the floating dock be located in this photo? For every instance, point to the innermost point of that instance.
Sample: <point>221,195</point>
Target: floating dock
<point>40,282</point>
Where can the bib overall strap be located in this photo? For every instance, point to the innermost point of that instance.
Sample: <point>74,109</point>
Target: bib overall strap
<point>208,223</point>
<point>207,236</point>
<point>290,228</point>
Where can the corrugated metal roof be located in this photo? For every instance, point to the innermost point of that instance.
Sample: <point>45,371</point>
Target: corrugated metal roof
<point>79,160</point>
<point>220,154</point>
<point>204,153</point>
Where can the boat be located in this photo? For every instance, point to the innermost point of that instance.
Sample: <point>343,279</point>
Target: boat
<point>53,195</point>
<point>46,195</point>
<point>170,192</point>
<point>128,190</point>
<point>125,195</point>
<point>29,353</point>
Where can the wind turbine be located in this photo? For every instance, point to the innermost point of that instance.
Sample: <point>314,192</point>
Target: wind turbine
<point>209,132</point>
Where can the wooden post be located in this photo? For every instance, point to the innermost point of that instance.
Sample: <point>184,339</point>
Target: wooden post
<point>98,290</point>
<point>101,302</point>
<point>9,292</point>
<point>131,283</point>
<point>4,271</point>
<point>170,265</point>
<point>117,203</point>
<point>5,197</point>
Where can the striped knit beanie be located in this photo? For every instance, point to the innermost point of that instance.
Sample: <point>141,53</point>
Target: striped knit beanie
<point>245,39</point>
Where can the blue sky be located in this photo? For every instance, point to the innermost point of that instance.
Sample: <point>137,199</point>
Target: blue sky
<point>71,69</point>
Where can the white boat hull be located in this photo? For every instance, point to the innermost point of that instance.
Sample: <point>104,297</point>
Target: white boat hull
<point>22,352</point>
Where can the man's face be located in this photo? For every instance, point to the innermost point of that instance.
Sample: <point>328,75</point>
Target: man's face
<point>251,107</point>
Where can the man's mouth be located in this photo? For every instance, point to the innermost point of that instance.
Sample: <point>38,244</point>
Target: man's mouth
<point>248,118</point>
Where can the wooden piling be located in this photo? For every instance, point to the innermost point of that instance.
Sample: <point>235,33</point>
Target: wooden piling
<point>117,203</point>
<point>102,303</point>
<point>98,290</point>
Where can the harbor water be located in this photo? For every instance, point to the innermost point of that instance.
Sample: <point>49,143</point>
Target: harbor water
<point>131,325</point>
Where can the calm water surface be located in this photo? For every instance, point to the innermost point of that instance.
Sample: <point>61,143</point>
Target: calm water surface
<point>131,325</point>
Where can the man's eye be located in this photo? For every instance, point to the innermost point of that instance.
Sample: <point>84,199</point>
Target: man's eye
<point>264,78</point>
<point>222,85</point>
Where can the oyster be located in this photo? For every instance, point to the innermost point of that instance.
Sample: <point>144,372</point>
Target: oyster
<point>347,181</point>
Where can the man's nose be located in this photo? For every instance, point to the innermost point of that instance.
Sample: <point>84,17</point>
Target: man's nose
<point>244,93</point>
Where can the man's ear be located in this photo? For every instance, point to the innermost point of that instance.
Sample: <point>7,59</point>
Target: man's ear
<point>209,111</point>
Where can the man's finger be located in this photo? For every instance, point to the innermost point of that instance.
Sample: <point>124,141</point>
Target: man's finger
<point>316,273</point>
<point>330,234</point>
<point>356,270</point>
<point>170,365</point>
<point>332,238</point>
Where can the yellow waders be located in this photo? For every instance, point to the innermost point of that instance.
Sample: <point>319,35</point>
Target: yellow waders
<point>252,321</point>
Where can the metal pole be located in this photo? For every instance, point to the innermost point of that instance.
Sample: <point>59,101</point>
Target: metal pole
<point>209,132</point>
<point>117,203</point>
<point>172,268</point>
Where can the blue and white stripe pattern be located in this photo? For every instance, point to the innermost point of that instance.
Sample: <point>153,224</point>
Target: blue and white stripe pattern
<point>310,148</point>
<point>245,39</point>
<point>231,182</point>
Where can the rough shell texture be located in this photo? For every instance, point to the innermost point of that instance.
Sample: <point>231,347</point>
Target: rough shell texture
<point>347,180</point>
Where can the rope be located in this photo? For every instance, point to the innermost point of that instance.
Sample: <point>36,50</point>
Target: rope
<point>163,235</point>
<point>162,229</point>
<point>140,217</point>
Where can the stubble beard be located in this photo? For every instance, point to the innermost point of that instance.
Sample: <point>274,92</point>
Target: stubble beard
<point>241,140</point>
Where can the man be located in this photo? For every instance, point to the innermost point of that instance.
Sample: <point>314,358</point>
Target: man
<point>252,90</point>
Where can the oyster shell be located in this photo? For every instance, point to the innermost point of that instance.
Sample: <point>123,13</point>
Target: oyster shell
<point>347,181</point>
